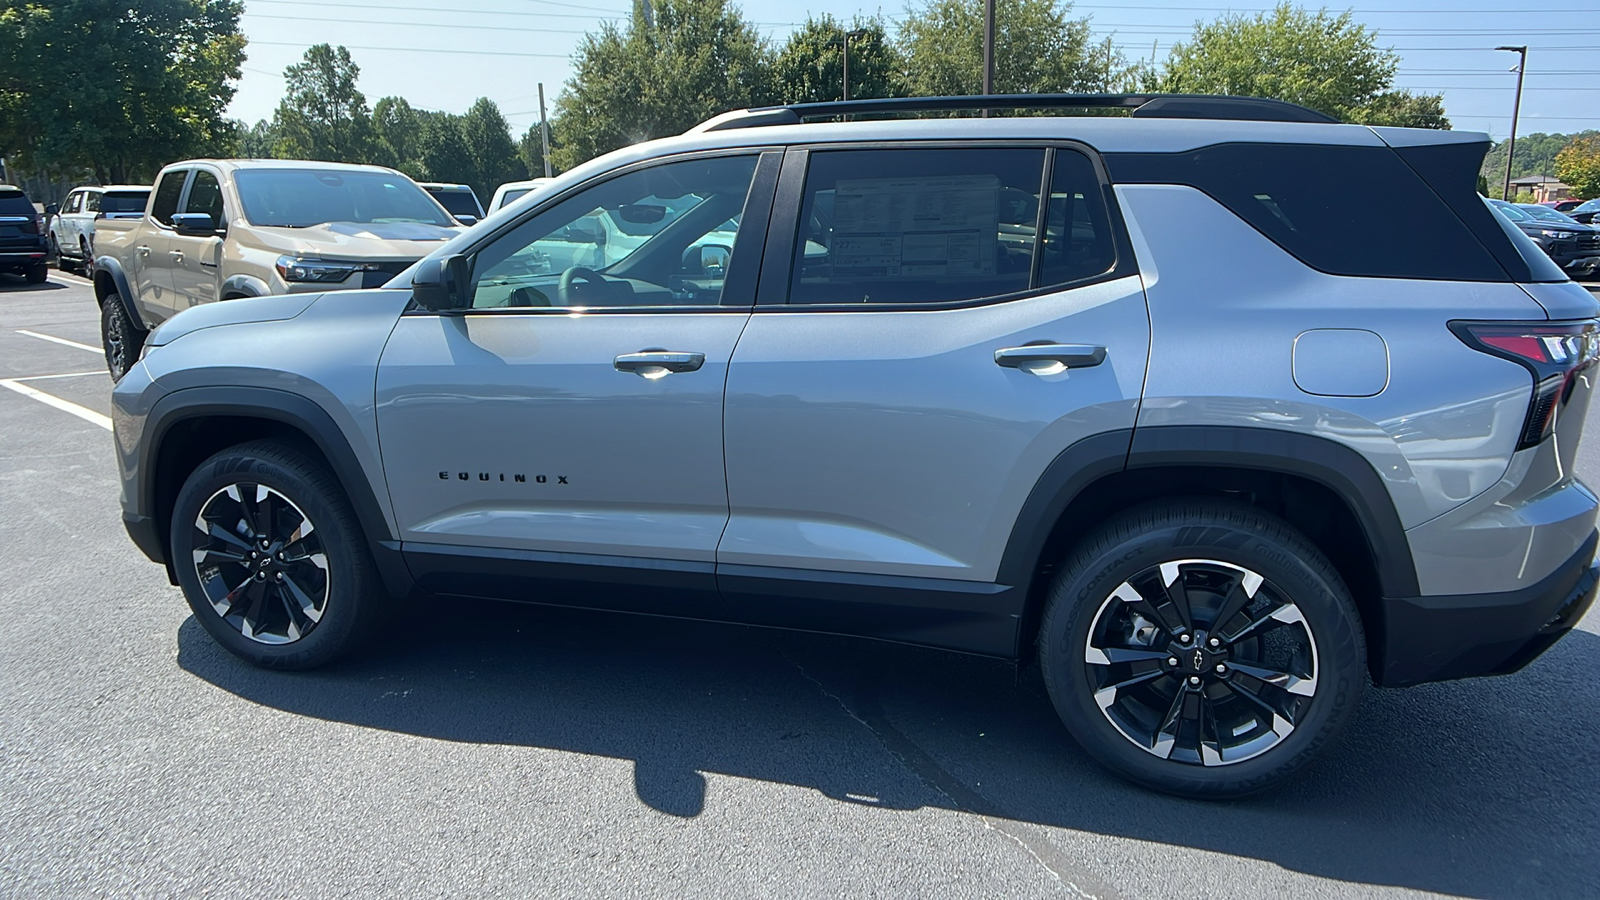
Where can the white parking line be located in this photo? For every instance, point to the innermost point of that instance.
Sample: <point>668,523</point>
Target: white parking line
<point>73,279</point>
<point>55,340</point>
<point>62,375</point>
<point>88,415</point>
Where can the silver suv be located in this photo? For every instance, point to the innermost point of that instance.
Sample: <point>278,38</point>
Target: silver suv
<point>1152,400</point>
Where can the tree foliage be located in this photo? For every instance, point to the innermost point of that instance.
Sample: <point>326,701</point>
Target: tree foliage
<point>117,88</point>
<point>1536,155</point>
<point>1324,61</point>
<point>809,68</point>
<point>397,129</point>
<point>661,74</point>
<point>493,155</point>
<point>1039,48</point>
<point>1578,166</point>
<point>324,115</point>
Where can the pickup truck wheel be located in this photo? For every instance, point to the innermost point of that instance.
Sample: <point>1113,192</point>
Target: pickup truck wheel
<point>271,558</point>
<point>1200,648</point>
<point>121,338</point>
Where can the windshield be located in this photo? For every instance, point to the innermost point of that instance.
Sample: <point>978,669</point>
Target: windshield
<point>300,198</point>
<point>124,201</point>
<point>1589,206</point>
<point>1546,214</point>
<point>459,202</point>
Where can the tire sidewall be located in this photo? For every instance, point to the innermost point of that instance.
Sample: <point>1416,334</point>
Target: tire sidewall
<point>1300,572</point>
<point>342,611</point>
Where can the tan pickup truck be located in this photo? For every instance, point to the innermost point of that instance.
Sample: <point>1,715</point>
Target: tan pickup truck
<point>224,229</point>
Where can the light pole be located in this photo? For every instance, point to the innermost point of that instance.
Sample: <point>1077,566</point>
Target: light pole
<point>988,50</point>
<point>857,33</point>
<point>1516,110</point>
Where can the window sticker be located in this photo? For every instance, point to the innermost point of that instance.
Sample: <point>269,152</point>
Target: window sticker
<point>944,225</point>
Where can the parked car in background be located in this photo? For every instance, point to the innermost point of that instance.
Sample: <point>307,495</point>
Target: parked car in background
<point>72,227</point>
<point>1566,206</point>
<point>1584,212</point>
<point>1573,246</point>
<point>224,229</point>
<point>457,199</point>
<point>22,239</point>
<point>514,190</point>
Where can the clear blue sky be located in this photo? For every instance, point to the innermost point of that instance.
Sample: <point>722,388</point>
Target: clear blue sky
<point>443,54</point>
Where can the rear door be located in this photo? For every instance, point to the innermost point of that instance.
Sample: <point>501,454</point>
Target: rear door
<point>916,359</point>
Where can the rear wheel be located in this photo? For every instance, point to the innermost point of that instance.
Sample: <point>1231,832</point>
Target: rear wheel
<point>121,339</point>
<point>37,274</point>
<point>271,558</point>
<point>1201,648</point>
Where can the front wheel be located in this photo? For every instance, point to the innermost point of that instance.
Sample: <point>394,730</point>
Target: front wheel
<point>1205,649</point>
<point>271,558</point>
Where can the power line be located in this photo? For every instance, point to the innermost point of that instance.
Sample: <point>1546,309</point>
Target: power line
<point>303,44</point>
<point>599,14</point>
<point>421,24</point>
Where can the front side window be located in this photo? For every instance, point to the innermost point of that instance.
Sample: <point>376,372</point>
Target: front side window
<point>917,226</point>
<point>167,194</point>
<point>661,236</point>
<point>74,202</point>
<point>205,196</point>
<point>301,198</point>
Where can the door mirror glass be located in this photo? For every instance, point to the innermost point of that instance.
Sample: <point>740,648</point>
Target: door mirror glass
<point>441,284</point>
<point>194,224</point>
<point>714,259</point>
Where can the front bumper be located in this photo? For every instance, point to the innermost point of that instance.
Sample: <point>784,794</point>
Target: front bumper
<point>1440,638</point>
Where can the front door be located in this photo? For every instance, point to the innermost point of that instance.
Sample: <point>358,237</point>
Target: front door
<point>919,354</point>
<point>568,426</point>
<point>150,275</point>
<point>196,259</point>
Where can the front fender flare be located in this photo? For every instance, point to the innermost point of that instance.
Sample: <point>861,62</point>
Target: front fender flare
<point>244,286</point>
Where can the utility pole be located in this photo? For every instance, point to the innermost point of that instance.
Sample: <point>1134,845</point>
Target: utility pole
<point>1516,110</point>
<point>856,33</point>
<point>544,132</point>
<point>988,50</point>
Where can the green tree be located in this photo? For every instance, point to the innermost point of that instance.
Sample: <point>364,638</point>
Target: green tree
<point>1536,155</point>
<point>398,131</point>
<point>257,141</point>
<point>117,88</point>
<point>487,137</point>
<point>809,68</point>
<point>1039,48</point>
<point>1324,61</point>
<point>442,150</point>
<point>1578,166</point>
<point>660,74</point>
<point>323,114</point>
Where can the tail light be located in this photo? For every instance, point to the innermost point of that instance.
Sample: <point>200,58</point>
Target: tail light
<point>34,224</point>
<point>1554,352</point>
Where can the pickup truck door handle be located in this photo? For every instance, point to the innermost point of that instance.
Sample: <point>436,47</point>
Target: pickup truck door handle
<point>1031,357</point>
<point>655,363</point>
<point>142,250</point>
<point>175,255</point>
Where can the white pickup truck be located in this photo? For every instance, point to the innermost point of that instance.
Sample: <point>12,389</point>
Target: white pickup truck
<point>223,229</point>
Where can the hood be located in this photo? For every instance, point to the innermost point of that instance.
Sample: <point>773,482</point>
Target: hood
<point>1535,227</point>
<point>357,240</point>
<point>274,308</point>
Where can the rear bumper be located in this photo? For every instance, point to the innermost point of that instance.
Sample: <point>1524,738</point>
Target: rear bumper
<point>1444,637</point>
<point>34,257</point>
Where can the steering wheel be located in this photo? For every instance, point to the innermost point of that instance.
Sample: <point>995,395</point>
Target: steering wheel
<point>565,288</point>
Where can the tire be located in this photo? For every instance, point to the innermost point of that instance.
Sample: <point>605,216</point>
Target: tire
<point>85,262</point>
<point>268,590</point>
<point>121,339</point>
<point>38,274</point>
<point>1155,688</point>
<point>55,250</point>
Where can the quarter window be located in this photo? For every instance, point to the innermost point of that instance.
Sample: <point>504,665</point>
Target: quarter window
<point>662,236</point>
<point>917,226</point>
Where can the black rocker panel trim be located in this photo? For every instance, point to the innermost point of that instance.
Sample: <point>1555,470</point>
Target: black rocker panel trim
<point>289,409</point>
<point>1328,463</point>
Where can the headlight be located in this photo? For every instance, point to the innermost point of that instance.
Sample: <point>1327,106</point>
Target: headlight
<point>1558,235</point>
<point>293,268</point>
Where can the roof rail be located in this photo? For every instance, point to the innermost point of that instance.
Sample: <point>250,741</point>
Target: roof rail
<point>1165,106</point>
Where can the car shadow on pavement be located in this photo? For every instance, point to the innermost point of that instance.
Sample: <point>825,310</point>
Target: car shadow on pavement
<point>1477,788</point>
<point>16,284</point>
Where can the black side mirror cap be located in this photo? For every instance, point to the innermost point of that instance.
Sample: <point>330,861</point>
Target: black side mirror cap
<point>194,224</point>
<point>441,283</point>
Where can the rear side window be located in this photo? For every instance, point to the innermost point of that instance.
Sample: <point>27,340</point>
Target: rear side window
<point>91,202</point>
<point>15,203</point>
<point>917,226</point>
<point>1342,210</point>
<point>167,193</point>
<point>205,196</point>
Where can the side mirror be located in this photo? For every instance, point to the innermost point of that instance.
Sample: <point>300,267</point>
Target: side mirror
<point>441,284</point>
<point>714,260</point>
<point>467,220</point>
<point>51,209</point>
<point>194,224</point>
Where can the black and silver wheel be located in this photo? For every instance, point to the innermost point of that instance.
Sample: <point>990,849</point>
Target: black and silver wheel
<point>121,339</point>
<point>1203,649</point>
<point>270,557</point>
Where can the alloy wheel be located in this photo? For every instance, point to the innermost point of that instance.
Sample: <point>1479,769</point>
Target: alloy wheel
<point>1202,662</point>
<point>261,563</point>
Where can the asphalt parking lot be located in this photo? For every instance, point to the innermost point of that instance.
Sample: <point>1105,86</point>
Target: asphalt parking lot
<point>493,750</point>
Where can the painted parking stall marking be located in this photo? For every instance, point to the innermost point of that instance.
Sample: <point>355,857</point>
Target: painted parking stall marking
<point>84,413</point>
<point>58,340</point>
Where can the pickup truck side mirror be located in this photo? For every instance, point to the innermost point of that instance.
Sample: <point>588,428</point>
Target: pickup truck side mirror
<point>194,224</point>
<point>468,220</point>
<point>441,284</point>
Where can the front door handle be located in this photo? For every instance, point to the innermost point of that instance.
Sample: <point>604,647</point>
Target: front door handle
<point>1043,357</point>
<point>175,255</point>
<point>655,363</point>
<point>142,250</point>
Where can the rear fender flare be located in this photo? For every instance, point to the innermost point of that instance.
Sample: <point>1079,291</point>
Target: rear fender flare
<point>112,269</point>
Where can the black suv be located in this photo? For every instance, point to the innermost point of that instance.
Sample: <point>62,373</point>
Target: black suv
<point>22,241</point>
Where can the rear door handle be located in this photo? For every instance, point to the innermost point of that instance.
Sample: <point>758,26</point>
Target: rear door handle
<point>656,363</point>
<point>1032,357</point>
